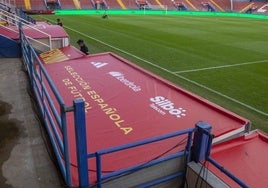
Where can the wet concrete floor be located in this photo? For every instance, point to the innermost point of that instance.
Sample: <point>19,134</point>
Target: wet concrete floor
<point>9,132</point>
<point>24,158</point>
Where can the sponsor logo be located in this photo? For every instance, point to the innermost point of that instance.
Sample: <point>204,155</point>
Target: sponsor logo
<point>163,106</point>
<point>119,76</point>
<point>98,64</point>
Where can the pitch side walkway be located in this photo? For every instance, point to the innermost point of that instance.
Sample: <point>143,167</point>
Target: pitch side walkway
<point>24,160</point>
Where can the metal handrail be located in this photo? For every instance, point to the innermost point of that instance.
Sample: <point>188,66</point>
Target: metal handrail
<point>7,3</point>
<point>24,23</point>
<point>83,156</point>
<point>37,41</point>
<point>55,121</point>
<point>17,18</point>
<point>146,141</point>
<point>99,154</point>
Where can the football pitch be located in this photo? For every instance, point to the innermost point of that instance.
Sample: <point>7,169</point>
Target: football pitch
<point>222,59</point>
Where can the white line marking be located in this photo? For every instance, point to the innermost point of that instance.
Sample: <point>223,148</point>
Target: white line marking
<point>222,66</point>
<point>170,72</point>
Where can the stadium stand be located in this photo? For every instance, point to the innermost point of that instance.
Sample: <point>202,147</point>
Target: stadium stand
<point>194,4</point>
<point>67,4</point>
<point>86,4</point>
<point>20,4</point>
<point>179,5</point>
<point>237,6</point>
<point>158,2</point>
<point>99,4</point>
<point>212,6</point>
<point>142,4</point>
<point>187,3</point>
<point>38,5</point>
<point>208,6</point>
<point>168,3</point>
<point>102,4</point>
<point>217,6</point>
<point>77,4</point>
<point>130,4</point>
<point>248,6</point>
<point>27,4</point>
<point>257,7</point>
<point>244,6</point>
<point>263,9</point>
<point>222,5</point>
<point>122,5</point>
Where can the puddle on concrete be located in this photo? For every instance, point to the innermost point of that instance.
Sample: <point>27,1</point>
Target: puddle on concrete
<point>9,132</point>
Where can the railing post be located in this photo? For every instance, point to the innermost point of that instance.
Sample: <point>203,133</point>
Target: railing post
<point>188,147</point>
<point>31,65</point>
<point>65,145</point>
<point>188,153</point>
<point>202,140</point>
<point>20,30</point>
<point>99,167</point>
<point>81,142</point>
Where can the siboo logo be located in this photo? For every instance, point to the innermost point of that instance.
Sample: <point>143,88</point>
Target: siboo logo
<point>119,76</point>
<point>163,105</point>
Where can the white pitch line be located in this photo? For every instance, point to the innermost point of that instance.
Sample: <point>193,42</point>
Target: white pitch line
<point>222,66</point>
<point>170,72</point>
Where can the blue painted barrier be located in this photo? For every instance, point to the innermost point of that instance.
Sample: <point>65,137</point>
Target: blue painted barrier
<point>9,48</point>
<point>201,141</point>
<point>81,142</point>
<point>57,130</point>
<point>186,153</point>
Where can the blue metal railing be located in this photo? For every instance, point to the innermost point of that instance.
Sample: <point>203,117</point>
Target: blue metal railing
<point>185,153</point>
<point>83,172</point>
<point>53,113</point>
<point>24,16</point>
<point>4,7</point>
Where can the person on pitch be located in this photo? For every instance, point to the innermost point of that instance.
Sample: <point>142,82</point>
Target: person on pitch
<point>59,22</point>
<point>83,47</point>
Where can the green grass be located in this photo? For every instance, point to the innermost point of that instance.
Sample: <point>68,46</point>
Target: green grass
<point>179,43</point>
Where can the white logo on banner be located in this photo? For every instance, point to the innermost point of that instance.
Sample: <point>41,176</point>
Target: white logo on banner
<point>163,105</point>
<point>119,76</point>
<point>115,74</point>
<point>98,64</point>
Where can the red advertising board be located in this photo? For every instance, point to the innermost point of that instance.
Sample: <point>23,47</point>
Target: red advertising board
<point>124,103</point>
